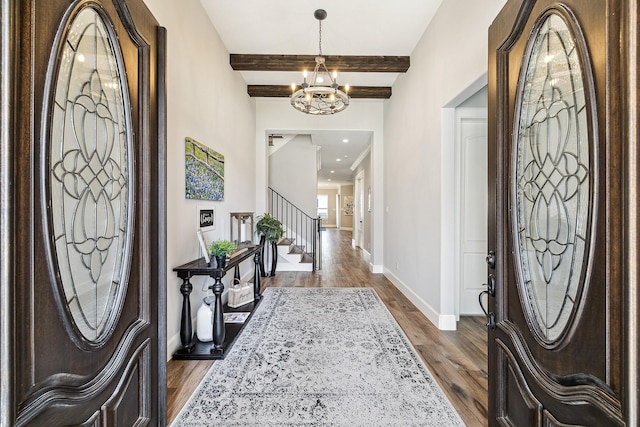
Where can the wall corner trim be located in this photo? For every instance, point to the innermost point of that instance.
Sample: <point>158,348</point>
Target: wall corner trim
<point>444,322</point>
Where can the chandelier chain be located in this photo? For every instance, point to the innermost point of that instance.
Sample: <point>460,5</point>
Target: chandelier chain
<point>320,37</point>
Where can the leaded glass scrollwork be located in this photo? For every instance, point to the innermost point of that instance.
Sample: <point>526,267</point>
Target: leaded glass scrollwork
<point>90,175</point>
<point>552,178</point>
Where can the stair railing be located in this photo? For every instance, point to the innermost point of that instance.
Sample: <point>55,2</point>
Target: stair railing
<point>300,228</point>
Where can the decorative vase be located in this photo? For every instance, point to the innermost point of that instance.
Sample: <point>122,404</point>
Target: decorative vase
<point>274,257</point>
<point>204,322</point>
<point>273,254</point>
<point>262,245</point>
<point>221,261</point>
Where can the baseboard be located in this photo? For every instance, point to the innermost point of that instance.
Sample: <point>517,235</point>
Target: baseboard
<point>346,228</point>
<point>376,269</point>
<point>173,344</point>
<point>444,322</point>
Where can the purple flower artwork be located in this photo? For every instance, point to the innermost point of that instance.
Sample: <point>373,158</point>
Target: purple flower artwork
<point>204,172</point>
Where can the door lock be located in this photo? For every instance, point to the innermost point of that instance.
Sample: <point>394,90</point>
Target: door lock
<point>491,259</point>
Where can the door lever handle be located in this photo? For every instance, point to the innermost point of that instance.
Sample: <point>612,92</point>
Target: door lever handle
<point>491,286</point>
<point>491,291</point>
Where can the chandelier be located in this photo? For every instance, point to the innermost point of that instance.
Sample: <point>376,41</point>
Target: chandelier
<point>317,97</point>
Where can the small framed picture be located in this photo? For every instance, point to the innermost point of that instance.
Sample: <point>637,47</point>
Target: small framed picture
<point>206,218</point>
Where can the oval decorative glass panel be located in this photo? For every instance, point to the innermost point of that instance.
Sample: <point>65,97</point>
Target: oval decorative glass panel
<point>552,179</point>
<point>90,177</point>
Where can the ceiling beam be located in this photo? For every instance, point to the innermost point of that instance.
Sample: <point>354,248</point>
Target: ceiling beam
<point>273,91</point>
<point>351,64</point>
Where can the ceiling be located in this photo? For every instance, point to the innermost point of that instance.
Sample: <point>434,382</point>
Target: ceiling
<point>352,28</point>
<point>348,146</point>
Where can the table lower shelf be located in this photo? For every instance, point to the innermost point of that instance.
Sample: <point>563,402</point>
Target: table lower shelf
<point>203,350</point>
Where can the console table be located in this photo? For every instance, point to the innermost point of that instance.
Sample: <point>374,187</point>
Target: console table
<point>223,335</point>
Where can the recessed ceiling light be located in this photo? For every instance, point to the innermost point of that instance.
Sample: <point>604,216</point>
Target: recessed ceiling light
<point>345,140</point>
<point>345,156</point>
<point>329,180</point>
<point>338,159</point>
<point>333,171</point>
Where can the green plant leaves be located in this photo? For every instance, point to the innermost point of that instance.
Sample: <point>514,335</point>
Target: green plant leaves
<point>270,227</point>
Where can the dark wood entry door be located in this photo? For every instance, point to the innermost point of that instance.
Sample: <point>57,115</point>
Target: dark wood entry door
<point>83,309</point>
<point>562,214</point>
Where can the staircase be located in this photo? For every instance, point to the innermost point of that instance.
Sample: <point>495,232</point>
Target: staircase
<point>300,247</point>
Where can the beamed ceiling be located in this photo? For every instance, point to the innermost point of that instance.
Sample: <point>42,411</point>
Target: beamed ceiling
<point>367,43</point>
<point>348,64</point>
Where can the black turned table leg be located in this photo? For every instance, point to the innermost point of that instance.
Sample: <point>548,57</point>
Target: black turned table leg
<point>256,276</point>
<point>186,329</point>
<point>218,313</point>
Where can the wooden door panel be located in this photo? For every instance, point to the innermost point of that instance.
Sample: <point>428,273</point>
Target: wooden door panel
<point>130,404</point>
<point>60,375</point>
<point>519,406</point>
<point>565,375</point>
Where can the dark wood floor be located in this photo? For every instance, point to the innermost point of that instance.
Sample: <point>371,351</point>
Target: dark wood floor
<point>457,359</point>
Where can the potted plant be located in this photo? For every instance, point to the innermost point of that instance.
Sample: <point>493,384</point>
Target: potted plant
<point>220,249</point>
<point>270,229</point>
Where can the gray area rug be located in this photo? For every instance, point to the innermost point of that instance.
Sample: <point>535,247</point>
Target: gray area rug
<point>320,357</point>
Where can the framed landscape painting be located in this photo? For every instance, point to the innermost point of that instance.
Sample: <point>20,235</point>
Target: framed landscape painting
<point>204,172</point>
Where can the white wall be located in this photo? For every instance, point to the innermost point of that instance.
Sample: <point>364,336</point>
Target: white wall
<point>450,58</point>
<point>293,173</point>
<point>209,102</point>
<point>277,116</point>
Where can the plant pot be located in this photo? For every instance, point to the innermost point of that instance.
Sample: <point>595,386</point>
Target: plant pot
<point>221,261</point>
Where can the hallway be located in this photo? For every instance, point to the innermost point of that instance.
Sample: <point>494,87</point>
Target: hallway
<point>457,359</point>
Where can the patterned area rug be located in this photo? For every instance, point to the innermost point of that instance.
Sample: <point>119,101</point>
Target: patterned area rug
<point>320,357</point>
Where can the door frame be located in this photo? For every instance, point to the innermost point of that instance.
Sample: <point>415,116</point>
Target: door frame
<point>461,114</point>
<point>449,290</point>
<point>8,66</point>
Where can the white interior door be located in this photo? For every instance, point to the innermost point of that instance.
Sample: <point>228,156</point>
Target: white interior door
<point>471,144</point>
<point>338,212</point>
